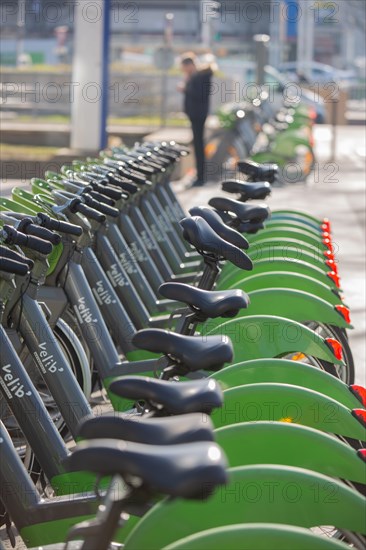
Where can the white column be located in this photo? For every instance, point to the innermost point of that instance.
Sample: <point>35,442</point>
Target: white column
<point>89,82</point>
<point>305,39</point>
<point>277,32</point>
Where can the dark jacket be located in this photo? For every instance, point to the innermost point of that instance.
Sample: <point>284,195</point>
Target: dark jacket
<point>197,94</point>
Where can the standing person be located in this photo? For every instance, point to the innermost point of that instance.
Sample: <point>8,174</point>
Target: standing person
<point>196,89</point>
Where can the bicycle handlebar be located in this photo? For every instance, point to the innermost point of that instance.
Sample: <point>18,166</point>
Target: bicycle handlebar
<point>27,226</point>
<point>12,255</point>
<point>114,194</point>
<point>77,206</point>
<point>11,236</point>
<point>101,198</point>
<point>13,266</point>
<point>44,220</point>
<point>101,207</point>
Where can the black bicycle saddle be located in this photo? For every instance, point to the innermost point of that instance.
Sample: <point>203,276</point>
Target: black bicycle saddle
<point>209,303</point>
<point>186,470</point>
<point>224,231</point>
<point>258,172</point>
<point>247,190</point>
<point>202,395</point>
<point>194,352</point>
<point>170,430</point>
<point>201,235</point>
<point>244,212</point>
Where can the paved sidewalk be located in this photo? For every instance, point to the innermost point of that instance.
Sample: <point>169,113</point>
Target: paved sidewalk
<point>335,190</point>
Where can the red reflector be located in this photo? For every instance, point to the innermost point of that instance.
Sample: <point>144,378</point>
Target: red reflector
<point>344,311</point>
<point>359,392</point>
<point>328,254</point>
<point>332,265</point>
<point>324,227</point>
<point>360,415</point>
<point>332,275</point>
<point>326,222</point>
<point>328,244</point>
<point>362,454</point>
<point>335,347</point>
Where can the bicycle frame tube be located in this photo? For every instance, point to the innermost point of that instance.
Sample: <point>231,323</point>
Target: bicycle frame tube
<point>29,410</point>
<point>114,314</point>
<point>90,320</point>
<point>121,281</point>
<point>178,210</point>
<point>139,251</point>
<point>131,266</point>
<point>49,521</point>
<point>51,361</point>
<point>163,241</point>
<point>150,243</point>
<point>166,225</point>
<point>168,208</point>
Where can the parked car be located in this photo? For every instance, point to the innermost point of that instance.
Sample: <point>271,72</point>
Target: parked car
<point>318,72</point>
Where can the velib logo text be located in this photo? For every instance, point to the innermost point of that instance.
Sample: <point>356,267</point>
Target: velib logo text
<point>11,385</point>
<point>46,360</point>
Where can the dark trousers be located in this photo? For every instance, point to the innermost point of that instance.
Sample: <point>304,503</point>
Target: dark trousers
<point>198,125</point>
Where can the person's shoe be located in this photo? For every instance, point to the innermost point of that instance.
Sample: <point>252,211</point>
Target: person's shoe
<point>197,183</point>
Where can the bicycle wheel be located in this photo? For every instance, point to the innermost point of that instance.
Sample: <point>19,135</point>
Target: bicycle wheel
<point>345,372</point>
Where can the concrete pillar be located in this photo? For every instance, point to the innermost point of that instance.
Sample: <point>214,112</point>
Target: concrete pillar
<point>90,75</point>
<point>277,32</point>
<point>305,43</point>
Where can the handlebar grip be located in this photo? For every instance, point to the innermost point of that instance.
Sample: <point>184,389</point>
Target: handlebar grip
<point>101,207</point>
<point>137,178</point>
<point>125,184</point>
<point>12,236</point>
<point>12,266</point>
<point>114,194</point>
<point>56,225</point>
<point>143,168</point>
<point>29,228</point>
<point>12,255</point>
<point>88,212</point>
<point>101,198</point>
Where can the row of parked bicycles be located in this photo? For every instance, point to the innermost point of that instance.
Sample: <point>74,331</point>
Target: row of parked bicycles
<point>268,129</point>
<point>170,380</point>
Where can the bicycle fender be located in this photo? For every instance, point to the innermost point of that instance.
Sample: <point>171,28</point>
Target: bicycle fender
<point>287,372</point>
<point>260,336</point>
<point>255,494</point>
<point>291,444</point>
<point>287,403</point>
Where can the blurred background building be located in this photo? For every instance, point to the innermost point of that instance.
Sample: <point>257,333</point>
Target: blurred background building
<point>339,30</point>
<point>318,41</point>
